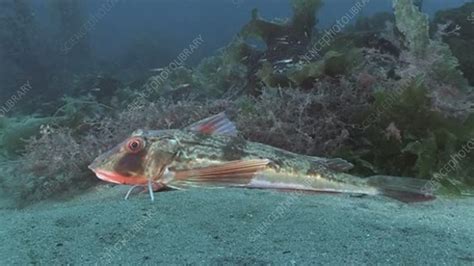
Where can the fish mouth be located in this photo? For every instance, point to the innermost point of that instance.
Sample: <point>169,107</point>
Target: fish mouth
<point>107,176</point>
<point>116,178</point>
<point>92,167</point>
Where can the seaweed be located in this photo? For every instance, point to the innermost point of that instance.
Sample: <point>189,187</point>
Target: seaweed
<point>287,38</point>
<point>441,64</point>
<point>408,137</point>
<point>414,25</point>
<point>16,131</point>
<point>271,78</point>
<point>460,35</point>
<point>227,71</point>
<point>304,17</point>
<point>334,64</point>
<point>222,75</point>
<point>446,67</point>
<point>281,64</point>
<point>295,120</point>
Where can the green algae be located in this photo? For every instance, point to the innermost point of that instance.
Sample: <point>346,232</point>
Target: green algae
<point>272,79</point>
<point>298,31</point>
<point>414,25</point>
<point>462,39</point>
<point>225,71</point>
<point>304,16</point>
<point>446,67</point>
<point>406,136</point>
<point>16,131</point>
<point>333,64</point>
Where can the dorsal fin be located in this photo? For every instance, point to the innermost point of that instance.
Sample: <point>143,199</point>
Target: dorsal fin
<point>217,124</point>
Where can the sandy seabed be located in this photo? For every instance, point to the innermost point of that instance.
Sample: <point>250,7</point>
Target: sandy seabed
<point>237,226</point>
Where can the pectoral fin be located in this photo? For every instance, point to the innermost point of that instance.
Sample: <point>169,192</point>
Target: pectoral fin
<point>156,166</point>
<point>234,173</point>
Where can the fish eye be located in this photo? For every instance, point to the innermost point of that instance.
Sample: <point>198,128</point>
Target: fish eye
<point>135,145</point>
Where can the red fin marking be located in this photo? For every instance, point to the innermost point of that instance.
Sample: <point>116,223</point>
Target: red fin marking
<point>217,124</point>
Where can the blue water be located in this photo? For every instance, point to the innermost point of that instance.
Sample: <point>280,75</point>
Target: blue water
<point>174,23</point>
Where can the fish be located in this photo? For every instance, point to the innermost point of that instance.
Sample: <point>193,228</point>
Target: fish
<point>211,154</point>
<point>182,86</point>
<point>282,38</point>
<point>157,69</point>
<point>284,61</point>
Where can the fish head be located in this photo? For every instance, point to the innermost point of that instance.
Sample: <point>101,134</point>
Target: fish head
<point>141,157</point>
<point>146,155</point>
<point>123,164</point>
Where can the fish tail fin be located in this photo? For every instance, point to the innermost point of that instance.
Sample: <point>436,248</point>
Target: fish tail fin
<point>404,189</point>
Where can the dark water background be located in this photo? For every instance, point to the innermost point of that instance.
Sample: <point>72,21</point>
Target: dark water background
<point>173,24</point>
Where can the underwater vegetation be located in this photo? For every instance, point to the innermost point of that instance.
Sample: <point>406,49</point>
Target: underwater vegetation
<point>392,94</point>
<point>411,138</point>
<point>414,26</point>
<point>285,38</point>
<point>461,36</point>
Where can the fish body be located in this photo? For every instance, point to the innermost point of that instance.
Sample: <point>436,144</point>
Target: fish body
<point>210,154</point>
<point>279,169</point>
